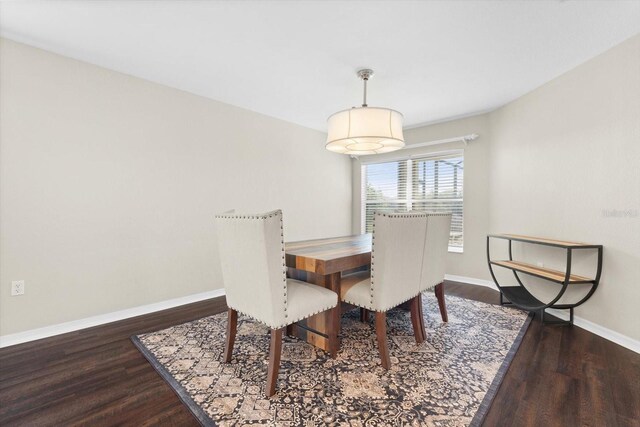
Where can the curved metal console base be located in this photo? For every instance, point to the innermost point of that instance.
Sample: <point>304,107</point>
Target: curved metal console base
<point>521,297</point>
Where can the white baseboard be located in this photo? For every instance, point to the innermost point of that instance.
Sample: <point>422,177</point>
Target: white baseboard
<point>471,281</point>
<point>606,333</point>
<point>613,336</point>
<point>88,322</point>
<point>61,328</point>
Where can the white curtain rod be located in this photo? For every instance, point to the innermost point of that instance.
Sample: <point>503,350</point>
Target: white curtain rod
<point>465,138</point>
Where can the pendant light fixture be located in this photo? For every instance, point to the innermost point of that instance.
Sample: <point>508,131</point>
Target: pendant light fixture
<point>365,130</point>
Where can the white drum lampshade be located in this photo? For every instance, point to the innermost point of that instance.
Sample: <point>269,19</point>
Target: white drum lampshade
<point>365,130</point>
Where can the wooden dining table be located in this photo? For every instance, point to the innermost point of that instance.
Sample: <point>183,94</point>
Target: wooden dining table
<point>327,263</point>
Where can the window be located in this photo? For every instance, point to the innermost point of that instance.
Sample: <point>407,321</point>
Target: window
<point>431,184</point>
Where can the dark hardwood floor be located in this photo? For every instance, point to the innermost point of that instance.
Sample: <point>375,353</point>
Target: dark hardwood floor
<point>561,376</point>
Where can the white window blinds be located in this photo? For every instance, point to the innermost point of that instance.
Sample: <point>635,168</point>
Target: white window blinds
<point>429,183</point>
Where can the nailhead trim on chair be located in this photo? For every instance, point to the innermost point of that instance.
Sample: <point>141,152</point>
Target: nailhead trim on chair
<point>284,263</point>
<point>410,214</point>
<point>373,256</point>
<point>434,214</point>
<point>381,310</point>
<point>260,216</point>
<point>395,304</point>
<point>284,268</point>
<point>429,287</point>
<point>289,322</point>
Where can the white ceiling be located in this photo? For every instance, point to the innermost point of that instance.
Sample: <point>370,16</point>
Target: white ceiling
<point>296,60</point>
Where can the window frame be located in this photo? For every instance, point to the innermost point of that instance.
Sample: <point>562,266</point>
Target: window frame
<point>408,197</point>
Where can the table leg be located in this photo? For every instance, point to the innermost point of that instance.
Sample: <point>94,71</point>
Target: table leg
<point>333,282</point>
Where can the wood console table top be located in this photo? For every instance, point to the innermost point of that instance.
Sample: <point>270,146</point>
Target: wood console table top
<point>544,241</point>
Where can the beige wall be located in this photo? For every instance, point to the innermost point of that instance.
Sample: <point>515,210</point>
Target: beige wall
<point>109,184</point>
<point>563,158</point>
<point>470,263</point>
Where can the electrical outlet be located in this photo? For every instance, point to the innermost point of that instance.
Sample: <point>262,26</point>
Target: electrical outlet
<point>17,288</point>
<point>540,264</point>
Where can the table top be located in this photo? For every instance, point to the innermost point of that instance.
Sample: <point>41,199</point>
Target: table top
<point>328,256</point>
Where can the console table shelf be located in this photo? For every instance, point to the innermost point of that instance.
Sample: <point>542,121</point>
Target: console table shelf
<point>555,276</point>
<point>520,296</point>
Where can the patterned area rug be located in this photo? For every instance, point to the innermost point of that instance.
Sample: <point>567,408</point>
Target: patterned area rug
<point>449,380</point>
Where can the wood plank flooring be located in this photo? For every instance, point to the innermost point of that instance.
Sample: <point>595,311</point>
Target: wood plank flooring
<point>561,376</point>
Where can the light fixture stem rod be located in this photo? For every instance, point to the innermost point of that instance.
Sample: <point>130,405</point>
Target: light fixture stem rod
<point>364,99</point>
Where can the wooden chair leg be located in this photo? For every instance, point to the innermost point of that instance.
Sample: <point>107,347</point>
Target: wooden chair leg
<point>333,326</point>
<point>275,349</point>
<point>232,326</point>
<point>416,320</point>
<point>364,315</point>
<point>423,329</point>
<point>381,335</point>
<point>439,289</point>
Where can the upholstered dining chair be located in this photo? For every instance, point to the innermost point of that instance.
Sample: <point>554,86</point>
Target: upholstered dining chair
<point>433,265</point>
<point>407,257</point>
<point>252,257</point>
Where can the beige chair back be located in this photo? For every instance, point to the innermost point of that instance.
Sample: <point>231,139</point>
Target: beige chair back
<point>396,258</point>
<point>251,251</point>
<point>435,250</point>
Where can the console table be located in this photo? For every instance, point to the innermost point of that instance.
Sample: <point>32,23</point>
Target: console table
<point>521,297</point>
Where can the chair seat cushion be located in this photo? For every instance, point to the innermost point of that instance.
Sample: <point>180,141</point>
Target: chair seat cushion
<point>356,289</point>
<point>305,299</point>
